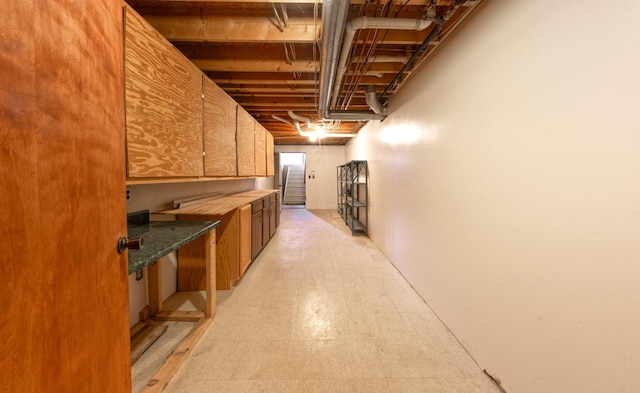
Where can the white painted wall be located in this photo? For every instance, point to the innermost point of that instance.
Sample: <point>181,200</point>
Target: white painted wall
<point>505,186</point>
<point>322,190</point>
<point>156,197</point>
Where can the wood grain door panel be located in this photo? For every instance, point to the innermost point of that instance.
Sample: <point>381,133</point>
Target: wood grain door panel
<point>270,155</point>
<point>260,150</point>
<point>65,325</point>
<point>219,131</point>
<point>163,105</point>
<point>246,144</point>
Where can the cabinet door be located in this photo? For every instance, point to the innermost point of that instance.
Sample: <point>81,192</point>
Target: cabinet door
<point>261,152</point>
<point>270,155</point>
<point>246,144</point>
<point>256,234</point>
<point>245,238</point>
<point>266,218</point>
<point>278,207</point>
<point>219,131</point>
<point>163,92</point>
<point>65,304</point>
<point>272,219</point>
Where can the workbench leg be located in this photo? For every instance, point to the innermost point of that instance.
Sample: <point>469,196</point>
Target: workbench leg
<point>154,279</point>
<point>210,264</point>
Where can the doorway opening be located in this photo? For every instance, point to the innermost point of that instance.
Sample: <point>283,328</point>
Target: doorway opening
<point>292,179</point>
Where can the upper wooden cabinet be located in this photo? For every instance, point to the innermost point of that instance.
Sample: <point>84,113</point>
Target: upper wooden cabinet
<point>270,152</point>
<point>175,115</point>
<point>261,150</point>
<point>163,92</point>
<point>219,131</point>
<point>245,140</point>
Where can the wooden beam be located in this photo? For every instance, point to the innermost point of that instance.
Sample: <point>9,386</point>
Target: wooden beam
<point>251,50</point>
<point>269,90</point>
<point>228,81</point>
<point>175,360</point>
<point>255,65</point>
<point>409,2</point>
<point>274,96</point>
<point>154,281</point>
<point>146,333</point>
<point>399,37</point>
<point>224,28</point>
<point>276,79</point>
<point>180,316</point>
<point>290,102</point>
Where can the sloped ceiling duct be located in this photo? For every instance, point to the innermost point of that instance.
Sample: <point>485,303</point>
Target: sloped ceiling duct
<point>364,22</point>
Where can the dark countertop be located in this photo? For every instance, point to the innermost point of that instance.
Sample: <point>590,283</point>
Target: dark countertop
<point>162,237</point>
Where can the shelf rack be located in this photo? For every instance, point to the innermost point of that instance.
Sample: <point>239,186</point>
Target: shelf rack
<point>353,195</point>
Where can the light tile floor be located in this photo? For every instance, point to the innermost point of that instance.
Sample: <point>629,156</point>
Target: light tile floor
<point>323,311</point>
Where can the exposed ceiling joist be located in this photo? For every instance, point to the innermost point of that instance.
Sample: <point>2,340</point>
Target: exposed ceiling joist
<point>225,28</point>
<point>266,55</point>
<point>255,65</point>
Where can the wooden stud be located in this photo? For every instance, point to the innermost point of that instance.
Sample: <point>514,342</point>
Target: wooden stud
<point>210,263</point>
<point>154,280</point>
<point>180,316</point>
<point>175,360</point>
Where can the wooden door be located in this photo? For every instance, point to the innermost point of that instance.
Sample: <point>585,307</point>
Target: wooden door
<point>273,221</point>
<point>266,217</point>
<point>64,297</point>
<point>256,234</point>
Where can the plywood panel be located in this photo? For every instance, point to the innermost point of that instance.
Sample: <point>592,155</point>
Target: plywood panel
<point>260,150</point>
<point>163,93</point>
<point>270,156</point>
<point>246,144</point>
<point>65,315</point>
<point>191,257</point>
<point>219,131</point>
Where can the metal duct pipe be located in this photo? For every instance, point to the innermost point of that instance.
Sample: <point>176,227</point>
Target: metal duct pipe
<point>384,59</point>
<point>334,18</point>
<point>364,22</point>
<point>281,119</point>
<point>303,119</point>
<point>373,102</point>
<point>415,55</point>
<point>326,135</point>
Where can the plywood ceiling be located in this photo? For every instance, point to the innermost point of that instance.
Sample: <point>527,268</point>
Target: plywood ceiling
<point>267,55</point>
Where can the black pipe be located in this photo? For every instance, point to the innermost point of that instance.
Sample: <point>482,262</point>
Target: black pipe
<point>439,22</point>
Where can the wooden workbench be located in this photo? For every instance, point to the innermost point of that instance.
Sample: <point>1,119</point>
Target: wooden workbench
<point>232,259</point>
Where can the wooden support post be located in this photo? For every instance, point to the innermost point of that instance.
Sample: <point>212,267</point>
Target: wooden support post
<point>210,264</point>
<point>154,279</point>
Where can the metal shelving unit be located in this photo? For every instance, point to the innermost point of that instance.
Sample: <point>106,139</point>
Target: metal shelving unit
<point>353,195</point>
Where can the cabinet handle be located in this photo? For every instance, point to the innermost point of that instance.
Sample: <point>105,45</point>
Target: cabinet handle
<point>134,243</point>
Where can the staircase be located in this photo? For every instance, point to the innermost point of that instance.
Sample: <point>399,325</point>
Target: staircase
<point>294,191</point>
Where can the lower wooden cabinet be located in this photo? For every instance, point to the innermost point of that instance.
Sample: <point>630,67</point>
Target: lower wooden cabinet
<point>264,222</point>
<point>191,277</point>
<point>242,234</point>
